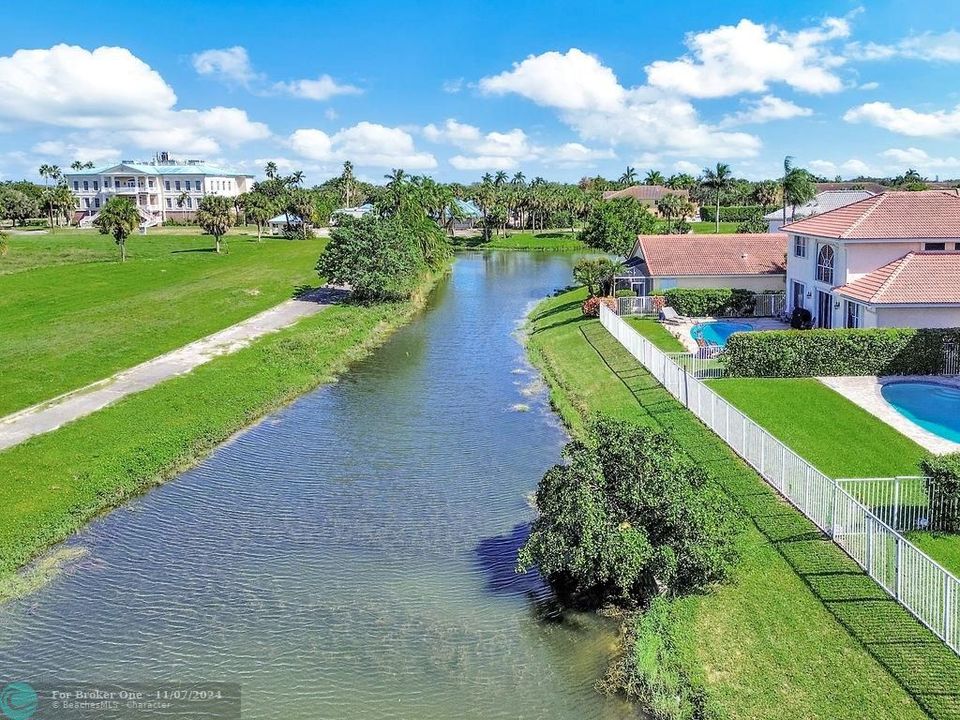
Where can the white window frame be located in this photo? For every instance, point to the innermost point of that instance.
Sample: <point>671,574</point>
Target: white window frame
<point>831,267</point>
<point>858,310</point>
<point>800,246</point>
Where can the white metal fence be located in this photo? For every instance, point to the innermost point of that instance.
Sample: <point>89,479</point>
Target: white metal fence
<point>951,359</point>
<point>636,305</point>
<point>915,580</point>
<point>904,503</point>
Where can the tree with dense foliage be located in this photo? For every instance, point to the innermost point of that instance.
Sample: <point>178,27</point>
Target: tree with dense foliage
<point>16,205</point>
<point>215,216</point>
<point>627,518</point>
<point>755,223</point>
<point>718,179</point>
<point>767,193</point>
<point>270,170</point>
<point>596,275</point>
<point>346,182</point>
<point>613,225</point>
<point>377,257</point>
<point>118,217</point>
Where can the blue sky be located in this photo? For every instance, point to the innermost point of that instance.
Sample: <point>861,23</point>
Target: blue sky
<point>555,89</point>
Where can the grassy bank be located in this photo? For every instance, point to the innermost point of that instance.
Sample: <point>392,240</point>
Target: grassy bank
<point>70,314</point>
<point>706,228</point>
<point>800,632</point>
<point>550,240</point>
<point>53,484</point>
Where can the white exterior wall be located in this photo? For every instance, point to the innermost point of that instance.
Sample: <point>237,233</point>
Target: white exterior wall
<point>153,193</point>
<point>759,283</point>
<point>852,260</point>
<point>918,317</point>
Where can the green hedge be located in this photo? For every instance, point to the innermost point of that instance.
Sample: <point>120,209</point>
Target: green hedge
<point>733,213</point>
<point>943,482</point>
<point>813,353</point>
<point>701,302</point>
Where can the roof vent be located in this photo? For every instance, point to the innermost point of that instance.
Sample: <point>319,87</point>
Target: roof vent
<point>743,256</point>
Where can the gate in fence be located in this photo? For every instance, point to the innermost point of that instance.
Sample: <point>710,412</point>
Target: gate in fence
<point>927,590</point>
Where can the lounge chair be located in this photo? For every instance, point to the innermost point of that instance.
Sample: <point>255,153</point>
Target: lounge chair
<point>669,316</point>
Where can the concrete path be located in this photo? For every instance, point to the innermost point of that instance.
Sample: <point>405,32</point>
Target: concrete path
<point>865,391</point>
<point>50,415</point>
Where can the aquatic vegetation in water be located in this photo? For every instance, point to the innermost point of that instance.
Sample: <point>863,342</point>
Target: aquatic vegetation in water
<point>520,407</point>
<point>34,577</point>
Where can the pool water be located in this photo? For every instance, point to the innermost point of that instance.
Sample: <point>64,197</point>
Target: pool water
<point>717,332</point>
<point>932,406</point>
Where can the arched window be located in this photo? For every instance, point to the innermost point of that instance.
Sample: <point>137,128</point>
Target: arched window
<point>825,265</point>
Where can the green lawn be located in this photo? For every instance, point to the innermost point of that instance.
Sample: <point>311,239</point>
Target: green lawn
<point>553,240</point>
<point>656,333</point>
<point>70,314</point>
<point>800,632</point>
<point>839,438</point>
<point>54,483</point>
<point>705,228</point>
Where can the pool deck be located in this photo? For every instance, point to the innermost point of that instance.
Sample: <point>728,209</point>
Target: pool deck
<point>865,392</point>
<point>682,329</point>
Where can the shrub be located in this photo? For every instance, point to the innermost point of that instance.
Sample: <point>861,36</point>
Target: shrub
<point>699,302</point>
<point>591,306</point>
<point>733,213</point>
<point>625,293</point>
<point>943,483</point>
<point>596,274</point>
<point>629,518</point>
<point>755,223</point>
<point>812,353</point>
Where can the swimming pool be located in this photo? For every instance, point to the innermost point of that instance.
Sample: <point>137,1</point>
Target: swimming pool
<point>932,406</point>
<point>717,332</point>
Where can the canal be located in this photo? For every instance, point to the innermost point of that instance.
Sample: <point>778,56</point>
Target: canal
<point>351,556</point>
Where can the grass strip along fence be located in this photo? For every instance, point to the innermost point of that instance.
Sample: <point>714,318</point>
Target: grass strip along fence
<point>927,590</point>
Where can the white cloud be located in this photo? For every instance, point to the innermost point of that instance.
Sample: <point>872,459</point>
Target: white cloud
<point>506,150</point>
<point>856,167</point>
<point>906,121</point>
<point>869,86</point>
<point>589,99</point>
<point>233,66</point>
<point>453,86</point>
<point>823,167</point>
<point>230,65</point>
<point>62,151</point>
<point>928,46</point>
<point>912,157</point>
<point>115,96</point>
<point>570,81</point>
<point>748,57</point>
<point>330,114</point>
<point>853,167</point>
<point>323,88</point>
<point>364,144</point>
<point>766,109</point>
<point>685,166</point>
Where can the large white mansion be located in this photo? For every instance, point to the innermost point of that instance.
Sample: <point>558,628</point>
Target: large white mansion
<point>161,188</point>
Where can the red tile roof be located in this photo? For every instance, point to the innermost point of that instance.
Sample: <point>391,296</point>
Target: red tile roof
<point>738,254</point>
<point>648,193</point>
<point>890,215</point>
<point>922,278</point>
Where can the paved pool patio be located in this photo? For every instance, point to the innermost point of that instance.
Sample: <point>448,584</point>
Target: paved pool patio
<point>682,329</point>
<point>865,391</point>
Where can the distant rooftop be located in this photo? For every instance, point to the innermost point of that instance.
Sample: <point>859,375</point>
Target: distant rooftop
<point>822,202</point>
<point>162,165</point>
<point>648,193</point>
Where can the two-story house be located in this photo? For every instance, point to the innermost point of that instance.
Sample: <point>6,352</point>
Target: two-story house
<point>891,260</point>
<point>161,189</point>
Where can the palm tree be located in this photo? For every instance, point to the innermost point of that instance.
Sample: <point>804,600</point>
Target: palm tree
<point>518,179</point>
<point>681,181</point>
<point>500,178</point>
<point>767,192</point>
<point>270,170</point>
<point>346,180</point>
<point>214,216</point>
<point>395,178</point>
<point>654,177</point>
<point>64,202</point>
<point>76,165</point>
<point>719,179</point>
<point>182,198</point>
<point>258,208</point>
<point>45,173</point>
<point>798,186</point>
<point>629,177</point>
<point>118,217</point>
<point>296,177</point>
